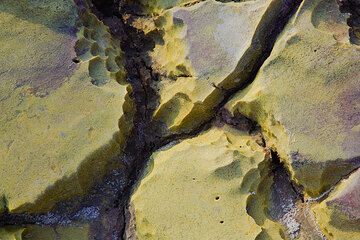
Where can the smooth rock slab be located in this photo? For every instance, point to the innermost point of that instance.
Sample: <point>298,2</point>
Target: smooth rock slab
<point>57,128</point>
<point>195,189</point>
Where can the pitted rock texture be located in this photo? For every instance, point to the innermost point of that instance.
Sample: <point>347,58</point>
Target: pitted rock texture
<point>179,119</point>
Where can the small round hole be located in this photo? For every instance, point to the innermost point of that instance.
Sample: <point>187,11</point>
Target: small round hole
<point>315,50</point>
<point>217,198</point>
<point>221,222</point>
<point>193,178</point>
<point>76,60</point>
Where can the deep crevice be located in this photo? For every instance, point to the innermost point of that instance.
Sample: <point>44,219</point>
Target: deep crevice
<point>274,196</point>
<point>283,189</point>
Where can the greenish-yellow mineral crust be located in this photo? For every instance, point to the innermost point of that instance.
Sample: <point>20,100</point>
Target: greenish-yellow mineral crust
<point>179,119</point>
<point>59,123</point>
<point>193,188</point>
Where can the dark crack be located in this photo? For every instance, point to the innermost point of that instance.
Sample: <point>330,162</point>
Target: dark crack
<point>284,192</point>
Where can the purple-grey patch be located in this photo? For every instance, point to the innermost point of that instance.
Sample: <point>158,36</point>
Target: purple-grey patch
<point>205,54</point>
<point>350,115</point>
<point>58,69</point>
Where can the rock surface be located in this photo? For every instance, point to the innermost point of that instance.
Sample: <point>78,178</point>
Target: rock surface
<point>305,97</point>
<point>339,214</point>
<point>205,50</point>
<point>79,232</point>
<point>58,127</point>
<point>198,188</point>
<point>202,47</point>
<point>179,119</point>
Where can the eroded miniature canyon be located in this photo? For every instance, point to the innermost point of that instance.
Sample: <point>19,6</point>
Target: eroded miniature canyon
<point>179,119</point>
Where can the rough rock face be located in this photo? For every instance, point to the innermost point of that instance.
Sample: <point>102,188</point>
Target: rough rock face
<point>179,119</point>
